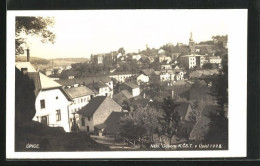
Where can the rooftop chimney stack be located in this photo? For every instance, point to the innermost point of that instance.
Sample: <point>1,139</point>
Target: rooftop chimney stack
<point>28,54</point>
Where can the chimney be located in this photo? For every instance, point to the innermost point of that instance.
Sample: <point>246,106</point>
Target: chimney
<point>28,54</point>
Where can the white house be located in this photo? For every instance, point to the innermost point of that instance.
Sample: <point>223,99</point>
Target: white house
<point>132,88</point>
<point>121,76</point>
<point>80,97</point>
<point>51,103</point>
<point>142,78</point>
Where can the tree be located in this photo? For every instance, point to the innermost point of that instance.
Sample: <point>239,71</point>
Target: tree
<point>37,26</point>
<point>140,123</point>
<point>121,50</point>
<point>24,98</point>
<point>171,120</point>
<point>218,126</point>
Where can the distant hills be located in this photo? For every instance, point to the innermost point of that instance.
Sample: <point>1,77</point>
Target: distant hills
<point>68,61</point>
<point>45,63</point>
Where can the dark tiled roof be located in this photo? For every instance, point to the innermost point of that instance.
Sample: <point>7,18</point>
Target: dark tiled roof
<point>113,122</point>
<point>92,106</point>
<point>121,96</point>
<point>78,92</point>
<point>148,72</point>
<point>131,85</point>
<point>83,80</point>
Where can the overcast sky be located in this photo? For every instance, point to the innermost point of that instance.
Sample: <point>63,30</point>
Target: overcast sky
<point>82,33</point>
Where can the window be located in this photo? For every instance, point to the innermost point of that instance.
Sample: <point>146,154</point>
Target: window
<point>87,128</point>
<point>82,121</point>
<point>57,97</point>
<point>42,104</point>
<point>58,115</point>
<point>89,118</point>
<point>81,100</point>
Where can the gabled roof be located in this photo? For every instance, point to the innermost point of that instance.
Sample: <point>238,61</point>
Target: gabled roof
<point>82,80</point>
<point>131,85</point>
<point>78,92</point>
<point>47,83</point>
<point>121,96</point>
<point>148,72</point>
<point>92,106</point>
<point>112,124</point>
<point>27,65</point>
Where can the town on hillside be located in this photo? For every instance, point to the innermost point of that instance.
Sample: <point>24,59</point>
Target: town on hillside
<point>138,100</point>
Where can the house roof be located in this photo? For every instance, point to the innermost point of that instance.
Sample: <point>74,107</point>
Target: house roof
<point>47,83</point>
<point>82,80</point>
<point>121,96</point>
<point>148,72</point>
<point>78,92</point>
<point>112,124</point>
<point>92,106</point>
<point>99,84</point>
<point>201,127</point>
<point>27,65</point>
<point>131,85</point>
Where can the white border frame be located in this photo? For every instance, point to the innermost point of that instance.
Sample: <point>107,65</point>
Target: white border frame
<point>237,45</point>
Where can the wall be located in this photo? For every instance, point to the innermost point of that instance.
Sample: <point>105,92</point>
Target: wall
<point>51,105</point>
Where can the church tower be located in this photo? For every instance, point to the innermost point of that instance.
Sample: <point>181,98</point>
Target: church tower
<point>192,45</point>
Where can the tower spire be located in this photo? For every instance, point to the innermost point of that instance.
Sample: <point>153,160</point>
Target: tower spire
<point>191,38</point>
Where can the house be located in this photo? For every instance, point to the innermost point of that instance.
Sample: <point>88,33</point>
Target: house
<point>121,76</point>
<point>102,89</point>
<point>161,52</point>
<point>49,72</point>
<point>164,58</point>
<point>137,57</point>
<point>167,75</point>
<point>95,113</point>
<point>166,66</point>
<point>122,96</point>
<point>51,102</point>
<point>155,77</point>
<point>86,81</point>
<point>97,59</point>
<point>25,66</point>
<point>147,72</point>
<point>80,96</point>
<point>142,79</point>
<point>201,127</point>
<point>190,61</point>
<point>132,88</point>
<point>150,59</point>
<point>215,59</point>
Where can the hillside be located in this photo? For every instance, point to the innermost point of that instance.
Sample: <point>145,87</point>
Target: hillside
<point>68,61</point>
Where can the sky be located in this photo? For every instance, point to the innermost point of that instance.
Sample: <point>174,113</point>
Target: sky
<point>82,33</point>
